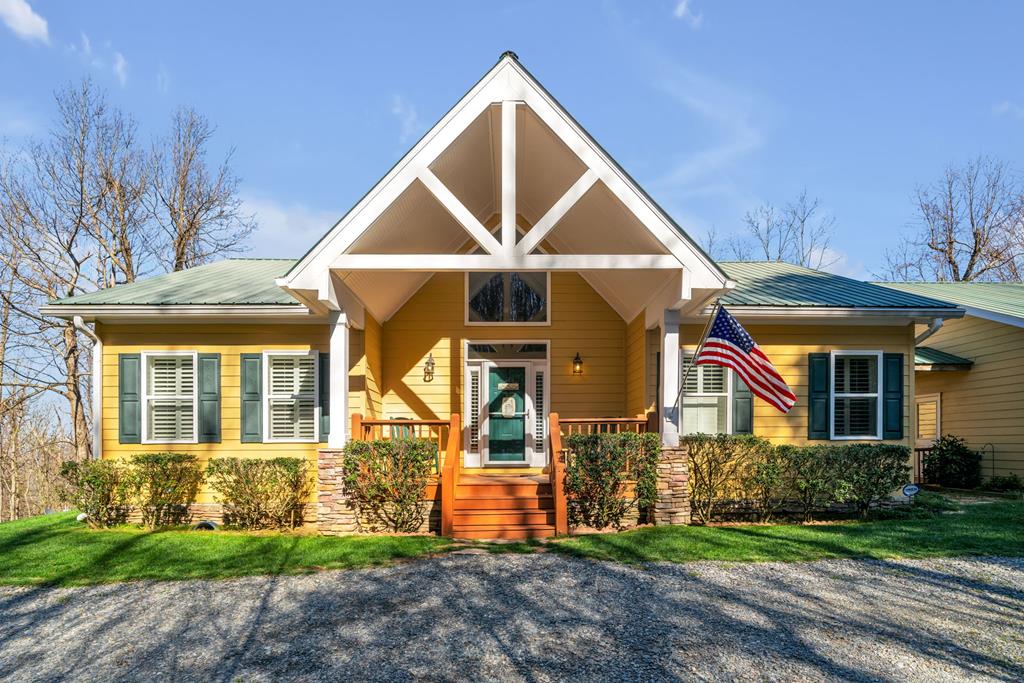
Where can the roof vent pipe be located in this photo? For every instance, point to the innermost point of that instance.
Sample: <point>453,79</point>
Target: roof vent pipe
<point>932,329</point>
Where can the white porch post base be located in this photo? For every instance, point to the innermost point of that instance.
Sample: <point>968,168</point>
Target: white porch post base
<point>339,381</point>
<point>670,378</point>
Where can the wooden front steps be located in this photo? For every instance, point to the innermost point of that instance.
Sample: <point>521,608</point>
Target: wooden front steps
<point>503,506</point>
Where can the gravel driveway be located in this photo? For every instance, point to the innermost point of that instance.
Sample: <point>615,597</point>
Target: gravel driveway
<point>534,618</point>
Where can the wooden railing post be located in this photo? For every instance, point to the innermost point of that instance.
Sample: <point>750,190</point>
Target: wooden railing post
<point>557,474</point>
<point>450,474</point>
<point>357,426</point>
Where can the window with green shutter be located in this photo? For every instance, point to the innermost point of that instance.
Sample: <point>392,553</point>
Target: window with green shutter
<point>169,397</point>
<point>714,400</point>
<point>291,396</point>
<point>855,394</point>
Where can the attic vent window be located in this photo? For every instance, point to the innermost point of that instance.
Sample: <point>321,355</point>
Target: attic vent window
<point>508,298</point>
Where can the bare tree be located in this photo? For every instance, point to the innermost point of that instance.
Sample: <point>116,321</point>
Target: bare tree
<point>198,208</point>
<point>797,233</point>
<point>970,226</point>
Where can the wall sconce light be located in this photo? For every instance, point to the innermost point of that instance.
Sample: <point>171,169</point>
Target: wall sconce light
<point>428,368</point>
<point>577,364</point>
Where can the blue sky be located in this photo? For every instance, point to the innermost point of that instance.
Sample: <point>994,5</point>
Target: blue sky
<point>713,106</point>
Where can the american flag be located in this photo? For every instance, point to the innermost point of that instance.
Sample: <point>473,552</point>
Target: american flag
<point>731,346</point>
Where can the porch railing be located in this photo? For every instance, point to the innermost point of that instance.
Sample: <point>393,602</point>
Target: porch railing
<point>559,427</point>
<point>447,434</point>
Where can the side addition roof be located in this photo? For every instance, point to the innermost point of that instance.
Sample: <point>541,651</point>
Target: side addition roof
<point>999,301</point>
<point>925,356</point>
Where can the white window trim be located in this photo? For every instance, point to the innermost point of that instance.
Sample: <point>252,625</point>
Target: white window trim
<point>832,396</point>
<point>267,354</point>
<point>729,375</point>
<point>146,356</point>
<point>474,323</point>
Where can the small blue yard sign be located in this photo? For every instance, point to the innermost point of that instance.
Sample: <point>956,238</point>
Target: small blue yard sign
<point>911,490</point>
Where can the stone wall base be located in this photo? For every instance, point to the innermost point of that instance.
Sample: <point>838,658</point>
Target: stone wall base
<point>673,503</point>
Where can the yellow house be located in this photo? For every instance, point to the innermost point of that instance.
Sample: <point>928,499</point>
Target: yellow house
<point>507,272</point>
<point>968,369</point>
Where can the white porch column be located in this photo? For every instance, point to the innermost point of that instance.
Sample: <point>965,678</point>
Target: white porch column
<point>339,380</point>
<point>669,378</point>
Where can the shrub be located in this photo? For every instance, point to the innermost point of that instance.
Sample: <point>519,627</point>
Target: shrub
<point>1004,483</point>
<point>951,463</point>
<point>718,464</point>
<point>811,477</point>
<point>99,488</point>
<point>164,486</point>
<point>261,494</point>
<point>597,473</point>
<point>766,479</point>
<point>869,473</point>
<point>385,480</point>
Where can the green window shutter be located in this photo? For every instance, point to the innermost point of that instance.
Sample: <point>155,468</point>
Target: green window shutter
<point>325,396</point>
<point>129,398</point>
<point>742,407</point>
<point>817,395</point>
<point>892,396</point>
<point>209,397</point>
<point>252,398</point>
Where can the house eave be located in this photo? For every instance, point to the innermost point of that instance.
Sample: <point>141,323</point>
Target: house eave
<point>165,313</point>
<point>833,314</point>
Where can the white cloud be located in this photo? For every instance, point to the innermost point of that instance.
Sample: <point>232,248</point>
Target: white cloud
<point>286,230</point>
<point>1007,108</point>
<point>408,119</point>
<point>23,20</point>
<point>685,13</point>
<point>120,68</point>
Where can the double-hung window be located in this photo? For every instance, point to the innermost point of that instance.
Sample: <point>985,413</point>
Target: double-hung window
<point>706,398</point>
<point>169,397</point>
<point>856,377</point>
<point>290,390</point>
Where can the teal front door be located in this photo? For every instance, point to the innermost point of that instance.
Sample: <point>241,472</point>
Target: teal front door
<point>506,414</point>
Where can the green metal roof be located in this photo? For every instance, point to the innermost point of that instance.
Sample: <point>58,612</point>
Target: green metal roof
<point>925,355</point>
<point>1005,298</point>
<point>771,283</point>
<point>230,282</point>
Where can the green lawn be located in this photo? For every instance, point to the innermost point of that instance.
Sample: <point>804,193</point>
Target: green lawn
<point>57,550</point>
<point>995,528</point>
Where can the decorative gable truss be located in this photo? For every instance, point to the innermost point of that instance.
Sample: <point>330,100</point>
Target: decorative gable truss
<point>602,225</point>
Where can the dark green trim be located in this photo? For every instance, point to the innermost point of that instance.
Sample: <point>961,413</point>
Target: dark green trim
<point>129,398</point>
<point>324,396</point>
<point>892,396</point>
<point>742,406</point>
<point>251,389</point>
<point>208,377</point>
<point>818,378</point>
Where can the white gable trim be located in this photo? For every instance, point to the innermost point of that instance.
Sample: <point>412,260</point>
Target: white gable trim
<point>507,83</point>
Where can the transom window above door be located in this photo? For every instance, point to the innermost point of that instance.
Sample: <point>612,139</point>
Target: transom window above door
<point>507,298</point>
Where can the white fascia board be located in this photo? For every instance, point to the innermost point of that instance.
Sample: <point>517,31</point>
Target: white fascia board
<point>477,263</point>
<point>191,312</point>
<point>507,81</point>
<point>833,315</point>
<point>993,316</point>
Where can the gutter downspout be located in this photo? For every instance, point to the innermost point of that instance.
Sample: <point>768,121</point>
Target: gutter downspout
<point>932,329</point>
<point>97,386</point>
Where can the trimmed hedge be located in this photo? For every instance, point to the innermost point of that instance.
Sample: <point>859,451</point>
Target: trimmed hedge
<point>752,474</point>
<point>598,471</point>
<point>102,489</point>
<point>949,462</point>
<point>385,480</point>
<point>165,484</point>
<point>261,494</point>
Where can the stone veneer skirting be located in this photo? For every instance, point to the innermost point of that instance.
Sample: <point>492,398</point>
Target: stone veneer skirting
<point>334,515</point>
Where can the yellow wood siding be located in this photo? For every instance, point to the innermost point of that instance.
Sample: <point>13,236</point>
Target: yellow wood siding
<point>433,322</point>
<point>636,370</point>
<point>229,340</point>
<point>373,336</point>
<point>788,346</point>
<point>986,403</point>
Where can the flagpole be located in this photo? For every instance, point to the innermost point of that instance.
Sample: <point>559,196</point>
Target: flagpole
<point>703,338</point>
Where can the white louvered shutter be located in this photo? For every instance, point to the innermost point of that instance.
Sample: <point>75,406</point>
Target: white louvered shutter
<point>291,397</point>
<point>170,397</point>
<point>474,410</point>
<point>540,401</point>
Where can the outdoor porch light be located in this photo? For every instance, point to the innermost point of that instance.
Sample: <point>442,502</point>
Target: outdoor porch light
<point>577,364</point>
<point>428,368</point>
